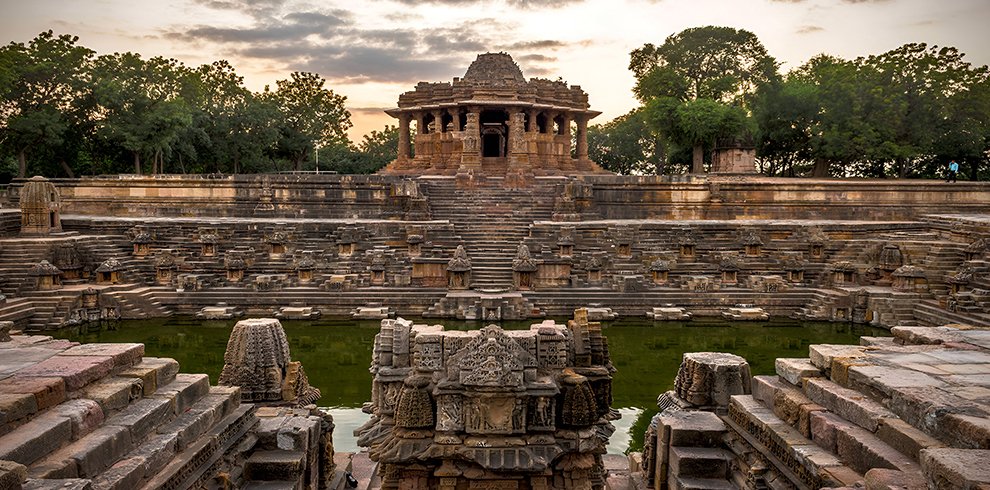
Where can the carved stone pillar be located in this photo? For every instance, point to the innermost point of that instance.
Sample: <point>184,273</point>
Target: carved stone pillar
<point>517,138</point>
<point>532,127</point>
<point>471,152</point>
<point>404,136</point>
<point>438,121</point>
<point>582,137</point>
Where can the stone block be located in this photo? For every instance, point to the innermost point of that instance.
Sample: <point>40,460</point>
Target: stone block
<point>122,354</point>
<point>33,440</point>
<point>298,434</point>
<point>14,407</point>
<point>153,372</point>
<point>47,392</point>
<point>125,474</point>
<point>113,393</point>
<point>951,468</point>
<point>12,475</point>
<point>76,371</point>
<point>821,355</point>
<point>967,430</point>
<point>880,382</point>
<point>192,423</point>
<point>841,475</point>
<point>274,465</point>
<point>97,451</point>
<point>928,409</point>
<point>699,462</point>
<point>184,391</point>
<point>848,404</point>
<point>794,370</point>
<point>887,479</point>
<point>691,429</point>
<point>680,483</point>
<point>143,416</point>
<point>86,415</point>
<point>62,484</point>
<point>905,438</point>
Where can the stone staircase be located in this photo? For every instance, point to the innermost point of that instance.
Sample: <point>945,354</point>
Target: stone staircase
<point>492,221</point>
<point>103,416</point>
<point>884,413</point>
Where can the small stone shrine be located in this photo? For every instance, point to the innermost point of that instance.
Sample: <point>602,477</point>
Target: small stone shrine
<point>257,360</point>
<point>490,408</point>
<point>40,203</point>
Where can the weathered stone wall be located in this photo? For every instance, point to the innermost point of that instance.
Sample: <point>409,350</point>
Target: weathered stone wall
<point>324,196</point>
<point>736,197</point>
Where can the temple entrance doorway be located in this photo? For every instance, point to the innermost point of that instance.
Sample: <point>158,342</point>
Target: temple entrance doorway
<point>494,132</point>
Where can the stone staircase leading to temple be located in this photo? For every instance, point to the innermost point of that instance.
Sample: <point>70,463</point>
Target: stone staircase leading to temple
<point>103,416</point>
<point>491,220</point>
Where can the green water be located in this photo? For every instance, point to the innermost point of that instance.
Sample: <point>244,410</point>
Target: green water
<point>336,354</point>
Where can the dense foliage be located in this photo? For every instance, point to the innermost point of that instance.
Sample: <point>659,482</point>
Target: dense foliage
<point>66,111</point>
<point>903,113</point>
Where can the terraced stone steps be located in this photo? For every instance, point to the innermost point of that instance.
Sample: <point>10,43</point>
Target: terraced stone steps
<point>103,416</point>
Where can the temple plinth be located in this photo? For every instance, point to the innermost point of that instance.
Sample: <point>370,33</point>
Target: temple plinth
<point>493,122</point>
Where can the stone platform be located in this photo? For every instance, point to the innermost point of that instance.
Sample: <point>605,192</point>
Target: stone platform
<point>104,416</point>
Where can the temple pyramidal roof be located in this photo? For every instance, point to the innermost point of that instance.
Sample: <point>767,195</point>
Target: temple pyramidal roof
<point>494,68</point>
<point>494,78</point>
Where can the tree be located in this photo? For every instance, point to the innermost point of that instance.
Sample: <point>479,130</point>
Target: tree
<point>311,116</point>
<point>695,123</point>
<point>690,83</point>
<point>141,105</point>
<point>627,145</point>
<point>718,63</point>
<point>44,87</point>
<point>785,113</point>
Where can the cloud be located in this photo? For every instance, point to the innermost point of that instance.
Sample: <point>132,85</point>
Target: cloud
<point>333,43</point>
<point>535,4</point>
<point>809,29</point>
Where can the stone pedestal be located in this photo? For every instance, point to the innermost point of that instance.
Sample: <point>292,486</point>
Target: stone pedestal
<point>708,379</point>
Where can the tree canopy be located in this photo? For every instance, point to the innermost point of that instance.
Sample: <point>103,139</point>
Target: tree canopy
<point>66,111</point>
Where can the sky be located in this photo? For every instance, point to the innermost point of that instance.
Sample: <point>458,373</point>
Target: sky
<point>373,50</point>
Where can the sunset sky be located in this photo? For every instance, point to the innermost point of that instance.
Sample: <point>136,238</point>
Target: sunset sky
<point>372,50</point>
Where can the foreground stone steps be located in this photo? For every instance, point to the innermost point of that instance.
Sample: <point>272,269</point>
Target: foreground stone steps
<point>102,416</point>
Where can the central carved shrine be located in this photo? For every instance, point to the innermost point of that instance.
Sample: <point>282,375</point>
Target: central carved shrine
<point>490,408</point>
<point>493,122</point>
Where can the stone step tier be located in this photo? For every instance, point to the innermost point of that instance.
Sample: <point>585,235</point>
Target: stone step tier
<point>895,413</point>
<point>103,416</point>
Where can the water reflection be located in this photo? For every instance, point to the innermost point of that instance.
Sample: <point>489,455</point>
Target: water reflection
<point>337,352</point>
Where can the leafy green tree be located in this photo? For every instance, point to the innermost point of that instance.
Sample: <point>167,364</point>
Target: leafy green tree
<point>718,63</point>
<point>141,105</point>
<point>696,123</point>
<point>692,81</point>
<point>627,145</point>
<point>785,113</point>
<point>44,87</point>
<point>916,84</point>
<point>311,116</point>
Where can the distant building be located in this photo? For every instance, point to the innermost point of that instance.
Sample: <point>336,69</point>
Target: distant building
<point>492,121</point>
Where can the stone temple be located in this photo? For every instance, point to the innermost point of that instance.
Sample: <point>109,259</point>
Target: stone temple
<point>495,217</point>
<point>493,121</point>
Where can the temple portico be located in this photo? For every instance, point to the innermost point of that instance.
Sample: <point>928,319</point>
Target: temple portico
<point>493,120</point>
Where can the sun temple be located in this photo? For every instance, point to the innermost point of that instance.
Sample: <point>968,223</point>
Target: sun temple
<point>489,215</point>
<point>493,121</point>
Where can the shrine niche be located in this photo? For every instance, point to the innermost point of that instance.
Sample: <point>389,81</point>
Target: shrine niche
<point>843,273</point>
<point>141,243</point>
<point>47,276</point>
<point>659,271</point>
<point>523,268</point>
<point>817,240</point>
<point>69,260</point>
<point>728,265</point>
<point>565,242</point>
<point>109,271</point>
<point>490,408</point>
<point>235,265</point>
<point>208,240</point>
<point>687,242</point>
<point>976,250</point>
<point>305,267</point>
<point>459,270</point>
<point>165,268</point>
<point>276,241</point>
<point>40,204</point>
<point>795,266</point>
<point>492,121</point>
<point>752,243</point>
